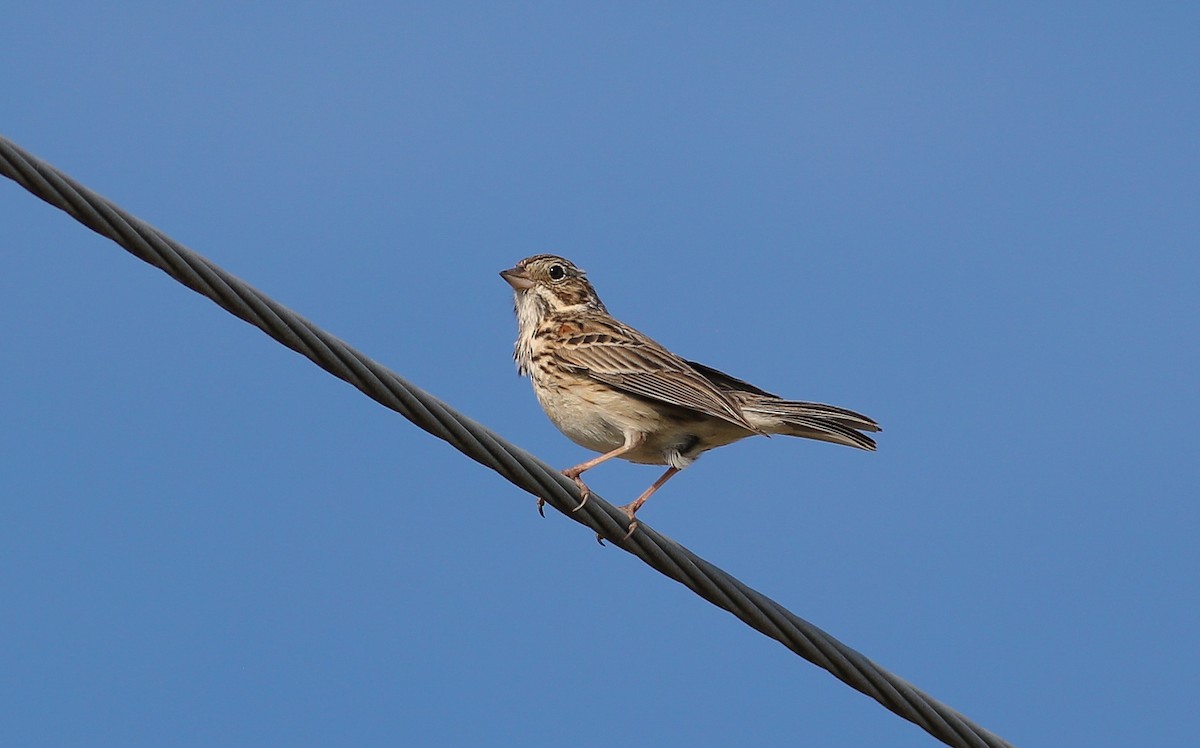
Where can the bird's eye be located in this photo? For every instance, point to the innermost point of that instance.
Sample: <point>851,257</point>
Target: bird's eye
<point>556,272</point>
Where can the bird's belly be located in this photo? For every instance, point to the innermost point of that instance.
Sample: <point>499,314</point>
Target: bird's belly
<point>586,415</point>
<point>598,417</point>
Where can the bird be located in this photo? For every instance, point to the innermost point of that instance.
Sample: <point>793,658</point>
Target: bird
<point>613,390</point>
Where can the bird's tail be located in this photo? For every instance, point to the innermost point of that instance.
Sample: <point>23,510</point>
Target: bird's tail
<point>827,423</point>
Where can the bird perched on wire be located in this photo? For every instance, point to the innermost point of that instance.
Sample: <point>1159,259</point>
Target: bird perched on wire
<point>613,390</point>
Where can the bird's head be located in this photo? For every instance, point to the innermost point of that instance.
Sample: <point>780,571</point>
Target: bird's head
<point>549,283</point>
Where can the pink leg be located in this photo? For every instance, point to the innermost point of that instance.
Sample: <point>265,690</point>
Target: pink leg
<point>632,441</point>
<point>631,508</point>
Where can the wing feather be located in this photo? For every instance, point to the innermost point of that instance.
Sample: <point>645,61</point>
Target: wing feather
<point>628,360</point>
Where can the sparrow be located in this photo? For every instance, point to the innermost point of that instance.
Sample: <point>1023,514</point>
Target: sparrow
<point>612,389</point>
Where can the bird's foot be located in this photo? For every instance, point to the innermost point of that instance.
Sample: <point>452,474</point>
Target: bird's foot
<point>630,512</point>
<point>584,492</point>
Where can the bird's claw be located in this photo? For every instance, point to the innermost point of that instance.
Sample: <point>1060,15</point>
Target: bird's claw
<point>585,494</point>
<point>633,523</point>
<point>583,500</point>
<point>584,491</point>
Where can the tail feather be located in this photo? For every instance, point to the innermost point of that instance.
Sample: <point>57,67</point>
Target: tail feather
<point>775,415</point>
<point>820,410</point>
<point>811,421</point>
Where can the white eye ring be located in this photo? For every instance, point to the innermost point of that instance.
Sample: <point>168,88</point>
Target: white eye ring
<point>556,272</point>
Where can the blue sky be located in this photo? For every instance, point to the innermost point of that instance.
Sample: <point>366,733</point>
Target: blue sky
<point>975,224</point>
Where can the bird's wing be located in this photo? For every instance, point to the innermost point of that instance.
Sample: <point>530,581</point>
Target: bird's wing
<point>624,358</point>
<point>727,382</point>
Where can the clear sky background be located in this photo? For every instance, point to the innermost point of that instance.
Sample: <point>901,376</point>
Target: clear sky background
<point>976,224</point>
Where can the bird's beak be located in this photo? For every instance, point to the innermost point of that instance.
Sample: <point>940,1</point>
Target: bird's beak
<point>517,278</point>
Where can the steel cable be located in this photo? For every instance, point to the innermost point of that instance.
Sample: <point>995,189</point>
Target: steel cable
<point>484,446</point>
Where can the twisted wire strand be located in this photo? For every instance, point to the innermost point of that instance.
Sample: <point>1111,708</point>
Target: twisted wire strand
<point>486,447</point>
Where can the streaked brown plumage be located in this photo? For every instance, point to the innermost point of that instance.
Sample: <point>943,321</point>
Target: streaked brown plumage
<point>613,390</point>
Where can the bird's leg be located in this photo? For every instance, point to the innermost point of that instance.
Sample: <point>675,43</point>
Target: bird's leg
<point>632,441</point>
<point>631,508</point>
